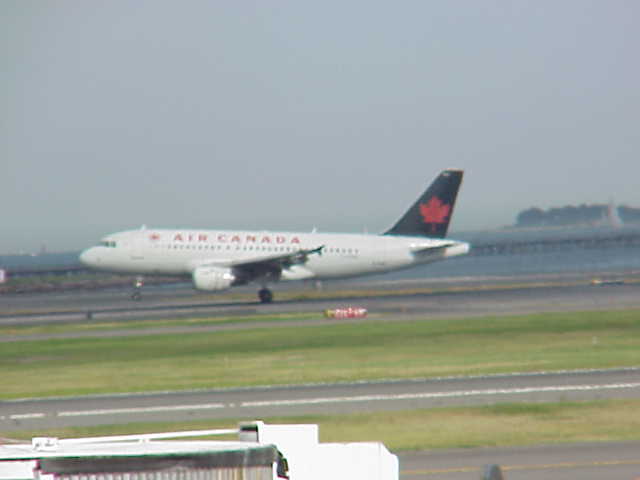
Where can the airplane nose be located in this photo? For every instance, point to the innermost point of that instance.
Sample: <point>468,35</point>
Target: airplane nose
<point>89,257</point>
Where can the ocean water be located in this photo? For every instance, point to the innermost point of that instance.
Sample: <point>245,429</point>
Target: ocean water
<point>616,261</point>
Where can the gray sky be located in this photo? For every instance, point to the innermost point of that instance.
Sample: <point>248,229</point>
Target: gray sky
<point>295,114</point>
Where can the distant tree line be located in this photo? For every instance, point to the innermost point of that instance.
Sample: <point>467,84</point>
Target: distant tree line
<point>574,215</point>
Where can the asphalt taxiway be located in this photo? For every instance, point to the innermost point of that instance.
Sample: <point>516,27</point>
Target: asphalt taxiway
<point>587,461</point>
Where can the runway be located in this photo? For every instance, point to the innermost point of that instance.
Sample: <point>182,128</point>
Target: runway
<point>320,399</point>
<point>399,298</point>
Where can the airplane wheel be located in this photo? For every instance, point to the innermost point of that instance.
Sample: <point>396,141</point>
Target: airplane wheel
<point>136,296</point>
<point>265,295</point>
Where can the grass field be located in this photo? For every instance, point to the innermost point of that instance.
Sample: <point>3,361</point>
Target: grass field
<point>335,352</point>
<point>142,324</point>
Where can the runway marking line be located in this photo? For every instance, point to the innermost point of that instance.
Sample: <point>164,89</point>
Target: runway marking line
<point>116,411</point>
<point>25,416</point>
<point>455,393</point>
<point>548,466</point>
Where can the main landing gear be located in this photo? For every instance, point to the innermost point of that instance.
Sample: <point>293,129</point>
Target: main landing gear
<point>265,295</point>
<point>136,294</point>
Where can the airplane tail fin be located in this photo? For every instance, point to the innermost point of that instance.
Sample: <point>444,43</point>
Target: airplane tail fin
<point>430,215</point>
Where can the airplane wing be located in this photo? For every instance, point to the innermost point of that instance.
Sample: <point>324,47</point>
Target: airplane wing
<point>281,261</point>
<point>272,266</point>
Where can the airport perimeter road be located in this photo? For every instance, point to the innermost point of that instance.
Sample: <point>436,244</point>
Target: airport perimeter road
<point>593,461</point>
<point>318,399</point>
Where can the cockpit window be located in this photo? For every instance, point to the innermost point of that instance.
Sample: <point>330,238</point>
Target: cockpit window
<point>108,243</point>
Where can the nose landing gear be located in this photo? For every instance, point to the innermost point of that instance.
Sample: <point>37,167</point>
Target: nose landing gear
<point>136,294</point>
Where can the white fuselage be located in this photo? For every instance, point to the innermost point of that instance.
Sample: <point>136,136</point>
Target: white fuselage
<point>180,252</point>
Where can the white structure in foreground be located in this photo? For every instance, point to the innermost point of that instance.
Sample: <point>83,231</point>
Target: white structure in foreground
<point>259,455</point>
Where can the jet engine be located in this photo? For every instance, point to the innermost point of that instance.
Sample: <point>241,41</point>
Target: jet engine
<point>213,278</point>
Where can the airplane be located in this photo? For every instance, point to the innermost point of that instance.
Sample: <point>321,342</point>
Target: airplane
<point>217,260</point>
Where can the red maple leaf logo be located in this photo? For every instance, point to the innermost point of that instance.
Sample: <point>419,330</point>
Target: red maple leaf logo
<point>434,211</point>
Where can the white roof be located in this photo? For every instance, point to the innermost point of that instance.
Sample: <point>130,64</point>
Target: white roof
<point>122,449</point>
